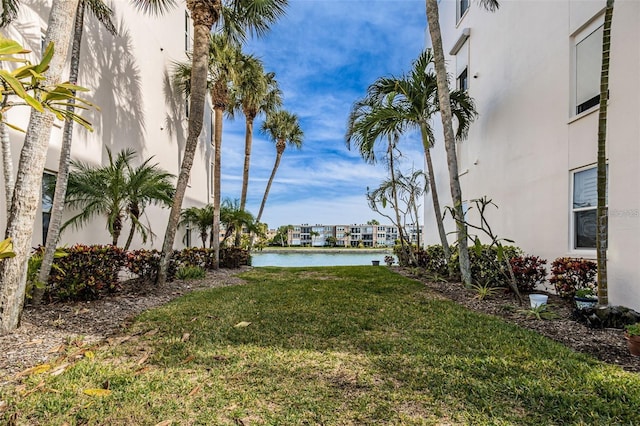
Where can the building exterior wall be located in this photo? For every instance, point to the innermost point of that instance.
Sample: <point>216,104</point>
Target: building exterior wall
<point>128,77</point>
<point>528,141</point>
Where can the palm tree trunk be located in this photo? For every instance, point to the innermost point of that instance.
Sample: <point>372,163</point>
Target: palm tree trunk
<point>268,188</point>
<point>602,235</point>
<point>248,140</point>
<point>53,234</point>
<point>7,164</point>
<point>215,243</point>
<point>449,139</point>
<point>203,19</point>
<point>29,177</point>
<point>434,196</point>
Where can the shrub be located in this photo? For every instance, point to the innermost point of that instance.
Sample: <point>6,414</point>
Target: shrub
<point>86,272</point>
<point>190,273</point>
<point>570,274</point>
<point>529,271</point>
<point>233,258</point>
<point>194,256</point>
<point>432,259</point>
<point>486,269</point>
<point>144,264</point>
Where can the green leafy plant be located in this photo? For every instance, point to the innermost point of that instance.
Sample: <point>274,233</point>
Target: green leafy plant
<point>568,275</point>
<point>540,312</point>
<point>190,273</point>
<point>484,291</point>
<point>6,249</point>
<point>586,293</point>
<point>33,266</point>
<point>633,329</point>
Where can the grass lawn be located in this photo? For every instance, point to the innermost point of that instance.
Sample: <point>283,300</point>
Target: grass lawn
<point>330,346</point>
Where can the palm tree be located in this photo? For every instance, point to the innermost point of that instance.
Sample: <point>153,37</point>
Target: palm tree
<point>433,21</point>
<point>103,14</point>
<point>255,92</point>
<point>29,174</point>
<point>147,185</point>
<point>395,105</point>
<point>201,218</point>
<point>117,191</point>
<point>236,219</point>
<point>235,17</point>
<point>283,129</point>
<point>602,211</point>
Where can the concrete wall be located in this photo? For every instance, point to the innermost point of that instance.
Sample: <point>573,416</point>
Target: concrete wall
<point>527,141</point>
<point>129,80</point>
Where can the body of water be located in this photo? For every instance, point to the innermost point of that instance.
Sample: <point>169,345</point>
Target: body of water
<point>316,259</point>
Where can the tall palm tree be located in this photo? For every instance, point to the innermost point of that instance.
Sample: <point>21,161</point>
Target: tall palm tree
<point>117,191</point>
<point>236,18</point>
<point>602,234</point>
<point>29,174</point>
<point>433,21</point>
<point>201,218</point>
<point>255,91</point>
<point>103,14</point>
<point>284,129</point>
<point>398,104</point>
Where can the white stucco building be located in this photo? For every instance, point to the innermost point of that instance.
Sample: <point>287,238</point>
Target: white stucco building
<point>129,80</point>
<point>533,68</point>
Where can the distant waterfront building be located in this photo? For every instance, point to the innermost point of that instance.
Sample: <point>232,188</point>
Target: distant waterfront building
<point>533,69</point>
<point>355,235</point>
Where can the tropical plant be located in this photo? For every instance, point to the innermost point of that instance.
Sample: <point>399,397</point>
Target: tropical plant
<point>283,128</point>
<point>202,219</point>
<point>190,273</point>
<point>46,105</point>
<point>433,21</point>
<point>235,220</point>
<point>118,191</point>
<point>602,212</point>
<point>568,275</point>
<point>6,249</point>
<point>103,14</point>
<point>254,92</point>
<point>398,104</point>
<point>235,18</point>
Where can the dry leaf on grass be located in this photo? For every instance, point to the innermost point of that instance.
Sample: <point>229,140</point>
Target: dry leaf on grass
<point>242,324</point>
<point>185,337</point>
<point>188,359</point>
<point>143,359</point>
<point>38,369</point>
<point>195,390</point>
<point>97,392</point>
<point>59,369</point>
<point>165,423</point>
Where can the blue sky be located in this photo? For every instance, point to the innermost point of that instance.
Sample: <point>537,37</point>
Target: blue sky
<point>325,53</point>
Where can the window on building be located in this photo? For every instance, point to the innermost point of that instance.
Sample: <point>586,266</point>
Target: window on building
<point>187,236</point>
<point>187,32</point>
<point>211,178</point>
<point>588,53</point>
<point>463,80</point>
<point>462,6</point>
<point>48,189</point>
<point>583,208</point>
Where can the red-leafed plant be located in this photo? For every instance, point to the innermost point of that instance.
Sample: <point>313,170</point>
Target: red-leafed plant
<point>569,275</point>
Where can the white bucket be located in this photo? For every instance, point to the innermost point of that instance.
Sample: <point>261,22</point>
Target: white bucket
<point>538,299</point>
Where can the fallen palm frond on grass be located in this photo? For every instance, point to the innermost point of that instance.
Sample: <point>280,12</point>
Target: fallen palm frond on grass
<point>344,345</point>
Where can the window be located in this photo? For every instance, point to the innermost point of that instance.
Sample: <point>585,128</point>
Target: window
<point>186,108</point>
<point>463,80</point>
<point>588,57</point>
<point>187,236</point>
<point>461,8</point>
<point>583,208</point>
<point>187,32</point>
<point>48,189</point>
<point>211,178</point>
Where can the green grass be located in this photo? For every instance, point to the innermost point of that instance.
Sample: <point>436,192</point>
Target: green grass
<point>332,346</point>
